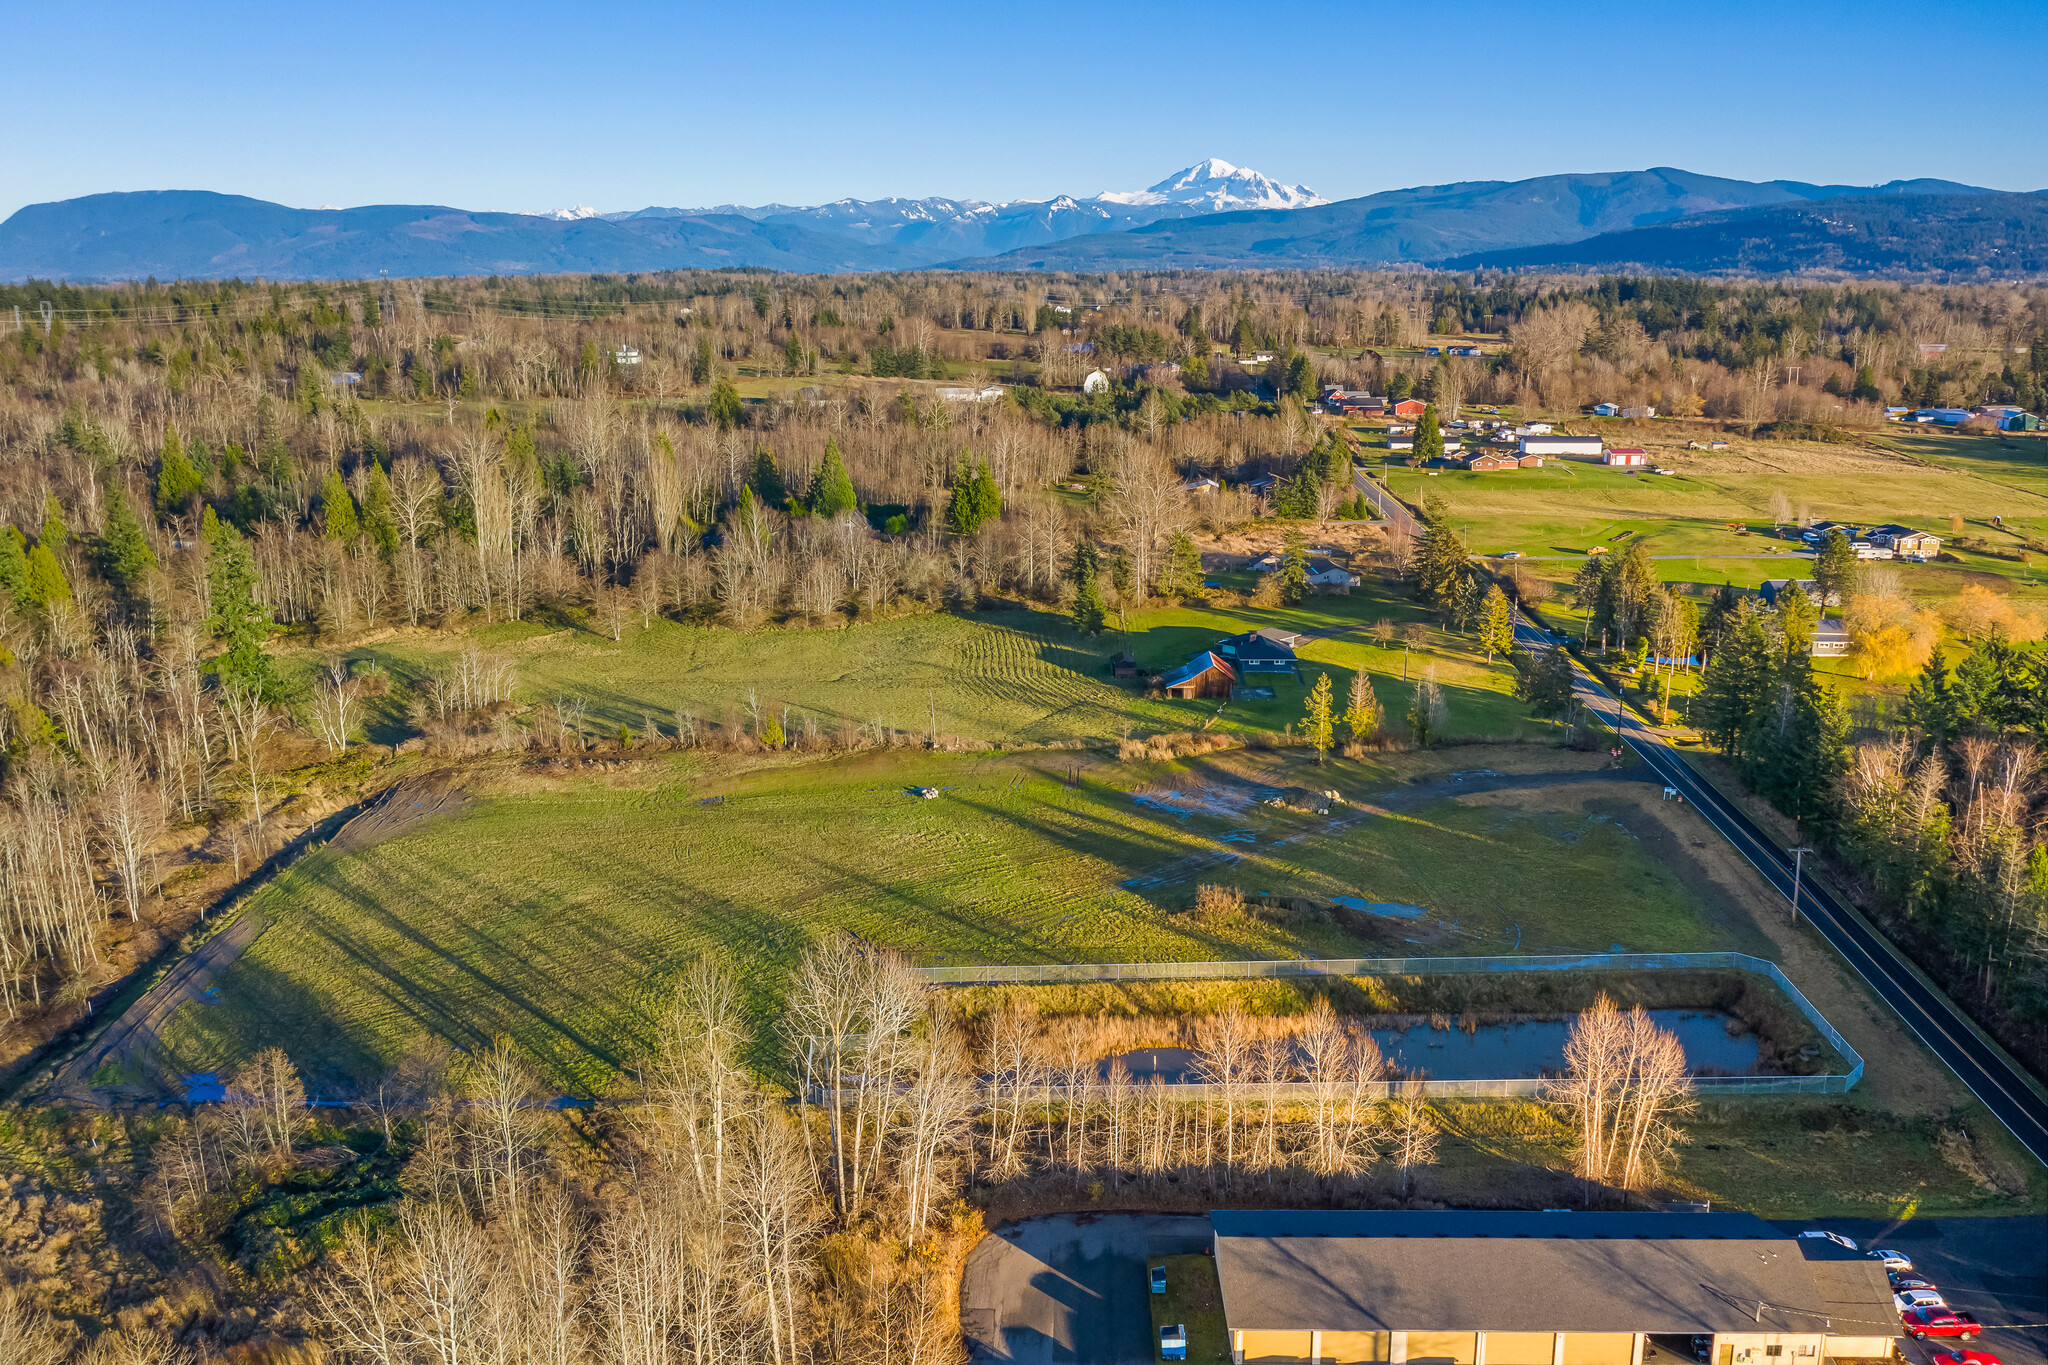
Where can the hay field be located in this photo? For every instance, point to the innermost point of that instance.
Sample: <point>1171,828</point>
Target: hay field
<point>556,910</point>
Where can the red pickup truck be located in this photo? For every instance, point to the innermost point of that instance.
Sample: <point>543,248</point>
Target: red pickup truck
<point>1922,1323</point>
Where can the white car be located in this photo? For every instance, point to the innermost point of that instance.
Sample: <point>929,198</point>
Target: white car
<point>1908,1299</point>
<point>1891,1260</point>
<point>1511,554</point>
<point>1837,1238</point>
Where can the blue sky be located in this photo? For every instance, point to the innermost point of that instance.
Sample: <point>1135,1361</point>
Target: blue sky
<point>537,106</point>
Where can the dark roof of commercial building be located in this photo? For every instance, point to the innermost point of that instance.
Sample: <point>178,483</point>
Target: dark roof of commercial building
<point>1536,1272</point>
<point>1853,1286</point>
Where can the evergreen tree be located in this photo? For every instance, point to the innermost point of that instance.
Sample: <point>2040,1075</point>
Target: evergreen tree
<point>1441,564</point>
<point>337,508</point>
<point>1734,679</point>
<point>701,362</point>
<point>832,491</point>
<point>726,408</point>
<point>235,619</point>
<point>1547,684</point>
<point>379,515</point>
<point>1180,573</point>
<point>1090,611</point>
<point>1316,725</point>
<point>177,480</point>
<point>1429,436</point>
<point>125,556</point>
<point>1293,571</point>
<point>14,565</point>
<point>1798,618</point>
<point>1834,569</point>
<point>986,497</point>
<point>1496,624</point>
<point>766,480</point>
<point>1931,704</point>
<point>46,581</point>
<point>273,456</point>
<point>55,533</point>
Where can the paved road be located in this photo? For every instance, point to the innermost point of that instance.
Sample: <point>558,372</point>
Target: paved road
<point>1991,1076</point>
<point>1995,1268</point>
<point>1069,1290</point>
<point>1781,556</point>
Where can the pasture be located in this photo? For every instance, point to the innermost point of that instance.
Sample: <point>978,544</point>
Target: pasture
<point>1006,677</point>
<point>556,909</point>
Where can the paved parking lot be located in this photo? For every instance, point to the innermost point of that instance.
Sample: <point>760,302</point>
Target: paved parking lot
<point>1995,1268</point>
<point>1069,1290</point>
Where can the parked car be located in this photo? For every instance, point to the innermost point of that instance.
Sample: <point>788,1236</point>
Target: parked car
<point>1702,1346</point>
<point>1893,1260</point>
<point>1906,1300</point>
<point>1837,1238</point>
<point>1511,554</point>
<point>1901,1280</point>
<point>1159,1279</point>
<point>1964,1358</point>
<point>1173,1342</point>
<point>1922,1323</point>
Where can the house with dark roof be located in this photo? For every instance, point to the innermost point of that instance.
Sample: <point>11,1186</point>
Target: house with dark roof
<point>1205,675</point>
<point>1331,576</point>
<point>1558,1288</point>
<point>1260,651</point>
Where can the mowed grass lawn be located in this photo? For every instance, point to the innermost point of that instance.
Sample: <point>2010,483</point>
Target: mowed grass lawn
<point>557,911</point>
<point>1006,677</point>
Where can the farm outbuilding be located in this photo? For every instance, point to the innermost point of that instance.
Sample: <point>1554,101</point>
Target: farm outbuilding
<point>1205,675</point>
<point>1628,457</point>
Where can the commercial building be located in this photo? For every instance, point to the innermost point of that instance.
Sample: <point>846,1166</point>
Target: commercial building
<point>1557,446</point>
<point>1560,1288</point>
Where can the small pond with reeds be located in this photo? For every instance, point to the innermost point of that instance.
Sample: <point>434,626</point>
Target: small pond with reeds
<point>1442,1048</point>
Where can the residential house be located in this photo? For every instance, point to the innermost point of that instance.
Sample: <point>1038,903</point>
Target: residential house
<point>1348,401</point>
<point>1095,381</point>
<point>1200,483</point>
<point>1331,577</point>
<point>1409,407</point>
<point>1258,357</point>
<point>1830,639</point>
<point>1906,542</point>
<point>1530,461</point>
<point>1460,1287</point>
<point>1166,372</point>
<point>1260,651</point>
<point>1262,487</point>
<point>1628,457</point>
<point>1638,412</point>
<point>1487,461</point>
<point>1775,588</point>
<point>1533,429</point>
<point>968,393</point>
<point>1559,446</point>
<point>1469,351</point>
<point>1607,409</point>
<point>626,355</point>
<point>1931,349</point>
<point>1205,675</point>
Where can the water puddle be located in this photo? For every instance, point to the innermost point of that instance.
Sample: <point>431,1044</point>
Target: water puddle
<point>1386,909</point>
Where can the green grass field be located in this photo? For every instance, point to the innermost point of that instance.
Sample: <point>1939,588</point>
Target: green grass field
<point>1006,677</point>
<point>1922,479</point>
<point>558,914</point>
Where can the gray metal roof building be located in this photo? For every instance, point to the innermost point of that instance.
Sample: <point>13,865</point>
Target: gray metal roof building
<point>1578,1288</point>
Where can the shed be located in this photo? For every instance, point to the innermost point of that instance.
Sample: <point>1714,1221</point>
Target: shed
<point>1607,409</point>
<point>1205,675</point>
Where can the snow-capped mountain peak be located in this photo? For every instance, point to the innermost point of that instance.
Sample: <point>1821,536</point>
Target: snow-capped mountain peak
<point>1218,187</point>
<point>570,215</point>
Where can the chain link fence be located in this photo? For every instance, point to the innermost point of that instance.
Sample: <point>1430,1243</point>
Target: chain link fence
<point>1071,973</point>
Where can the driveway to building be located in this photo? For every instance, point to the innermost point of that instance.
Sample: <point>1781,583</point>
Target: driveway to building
<point>1995,1268</point>
<point>1070,1289</point>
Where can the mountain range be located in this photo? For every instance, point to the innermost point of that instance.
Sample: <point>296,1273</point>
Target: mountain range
<point>1213,215</point>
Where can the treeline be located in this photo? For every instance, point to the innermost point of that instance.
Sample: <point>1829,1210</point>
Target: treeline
<point>1935,810</point>
<point>453,1212</point>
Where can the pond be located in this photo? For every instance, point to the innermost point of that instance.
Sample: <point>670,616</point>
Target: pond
<point>1493,1051</point>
